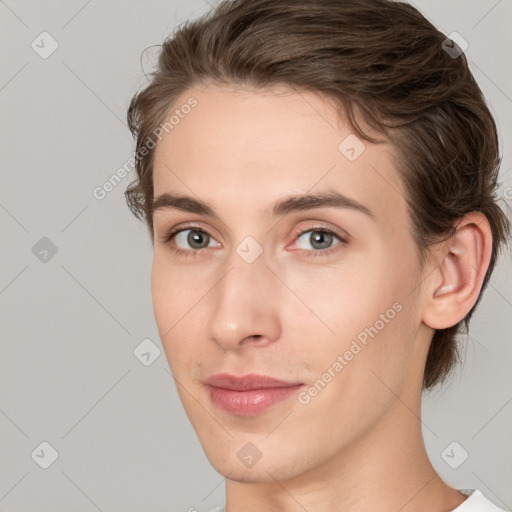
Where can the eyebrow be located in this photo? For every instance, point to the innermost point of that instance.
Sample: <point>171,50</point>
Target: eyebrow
<point>282,207</point>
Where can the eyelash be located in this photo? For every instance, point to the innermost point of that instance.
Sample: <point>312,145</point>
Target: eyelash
<point>312,253</point>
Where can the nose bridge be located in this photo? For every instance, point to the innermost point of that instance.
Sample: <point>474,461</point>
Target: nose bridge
<point>245,301</point>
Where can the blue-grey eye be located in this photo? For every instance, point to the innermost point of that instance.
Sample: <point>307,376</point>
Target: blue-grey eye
<point>196,239</point>
<point>318,238</point>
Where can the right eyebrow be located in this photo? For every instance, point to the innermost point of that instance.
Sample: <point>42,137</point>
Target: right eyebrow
<point>183,203</point>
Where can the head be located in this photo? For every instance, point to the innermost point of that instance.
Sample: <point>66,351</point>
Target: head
<point>260,102</point>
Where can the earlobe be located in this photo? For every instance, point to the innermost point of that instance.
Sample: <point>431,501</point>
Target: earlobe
<point>454,287</point>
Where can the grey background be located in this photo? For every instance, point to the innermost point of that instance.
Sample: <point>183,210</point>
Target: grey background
<point>70,325</point>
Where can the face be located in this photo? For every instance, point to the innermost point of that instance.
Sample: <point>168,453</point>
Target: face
<point>318,294</point>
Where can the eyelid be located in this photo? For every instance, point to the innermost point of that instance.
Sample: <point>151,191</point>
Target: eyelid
<point>319,253</point>
<point>341,234</point>
<point>195,226</point>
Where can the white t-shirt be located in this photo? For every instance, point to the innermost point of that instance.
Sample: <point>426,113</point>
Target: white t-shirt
<point>476,502</point>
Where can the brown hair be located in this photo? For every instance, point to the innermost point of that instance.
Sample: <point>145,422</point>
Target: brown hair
<point>380,59</point>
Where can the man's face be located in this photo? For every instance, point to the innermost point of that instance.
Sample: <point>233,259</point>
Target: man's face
<point>335,313</point>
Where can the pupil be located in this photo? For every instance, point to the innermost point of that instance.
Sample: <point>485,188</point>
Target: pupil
<point>195,237</point>
<point>321,236</point>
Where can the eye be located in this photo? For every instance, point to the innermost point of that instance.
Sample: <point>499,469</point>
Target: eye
<point>194,237</point>
<point>190,241</point>
<point>320,238</point>
<point>197,238</point>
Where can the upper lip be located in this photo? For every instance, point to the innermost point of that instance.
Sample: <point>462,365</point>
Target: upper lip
<point>247,382</point>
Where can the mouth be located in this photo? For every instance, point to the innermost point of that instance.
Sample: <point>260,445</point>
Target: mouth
<point>248,395</point>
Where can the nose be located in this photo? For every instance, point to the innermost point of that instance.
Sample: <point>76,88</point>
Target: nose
<point>246,306</point>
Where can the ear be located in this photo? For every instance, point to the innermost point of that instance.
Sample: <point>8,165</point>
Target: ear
<point>454,285</point>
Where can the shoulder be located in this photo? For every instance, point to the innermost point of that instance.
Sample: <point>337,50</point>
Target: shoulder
<point>476,502</point>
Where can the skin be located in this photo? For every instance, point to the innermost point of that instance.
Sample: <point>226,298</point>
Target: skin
<point>357,444</point>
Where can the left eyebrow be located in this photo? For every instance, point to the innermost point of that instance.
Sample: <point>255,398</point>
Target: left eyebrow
<point>282,207</point>
<point>320,200</point>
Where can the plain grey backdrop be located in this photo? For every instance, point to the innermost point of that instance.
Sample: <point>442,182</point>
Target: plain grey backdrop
<point>87,422</point>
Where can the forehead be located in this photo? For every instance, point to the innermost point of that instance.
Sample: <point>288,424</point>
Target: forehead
<point>265,144</point>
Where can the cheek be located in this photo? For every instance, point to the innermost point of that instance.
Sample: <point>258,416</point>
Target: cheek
<point>345,300</point>
<point>174,291</point>
<point>174,296</point>
<point>357,373</point>
<point>364,313</point>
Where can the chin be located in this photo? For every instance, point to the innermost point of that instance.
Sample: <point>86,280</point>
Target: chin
<point>274,466</point>
<point>247,476</point>
<point>256,474</point>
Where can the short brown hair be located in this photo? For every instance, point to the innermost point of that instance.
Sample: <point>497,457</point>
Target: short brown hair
<point>379,59</point>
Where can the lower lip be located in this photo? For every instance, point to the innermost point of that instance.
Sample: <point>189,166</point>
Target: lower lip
<point>252,402</point>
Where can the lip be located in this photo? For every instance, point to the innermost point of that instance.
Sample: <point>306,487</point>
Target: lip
<point>247,382</point>
<point>248,395</point>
